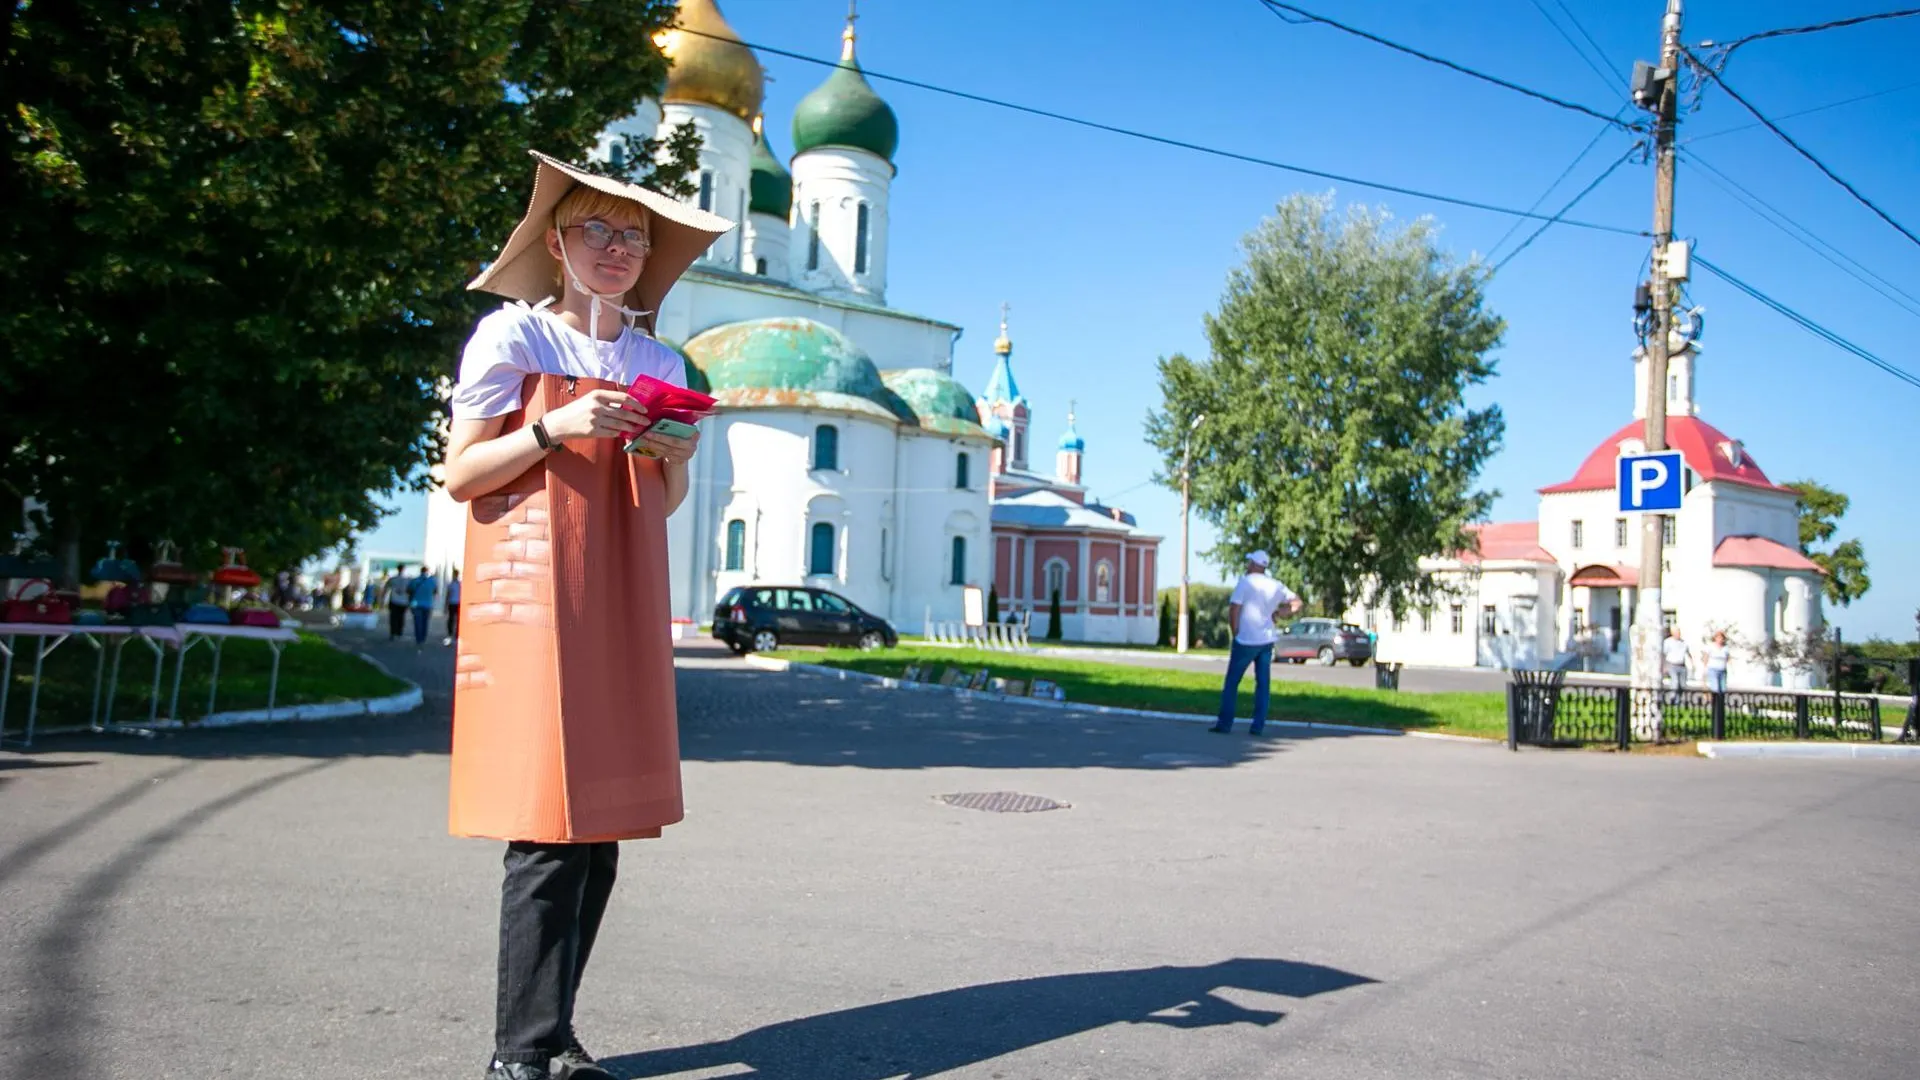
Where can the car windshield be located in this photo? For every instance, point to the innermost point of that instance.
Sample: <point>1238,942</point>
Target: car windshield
<point>832,603</point>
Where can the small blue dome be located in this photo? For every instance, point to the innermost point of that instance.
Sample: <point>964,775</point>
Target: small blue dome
<point>1071,440</point>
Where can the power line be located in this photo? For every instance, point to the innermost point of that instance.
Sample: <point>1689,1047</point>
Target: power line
<point>1165,141</point>
<point>1803,151</point>
<point>1557,181</point>
<point>1809,325</point>
<point>1279,9</point>
<point>1804,112</point>
<point>1571,203</point>
<point>1779,219</point>
<point>1612,82</point>
<point>1728,46</point>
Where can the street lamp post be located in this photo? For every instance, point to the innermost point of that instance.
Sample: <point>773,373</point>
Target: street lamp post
<point>1186,463</point>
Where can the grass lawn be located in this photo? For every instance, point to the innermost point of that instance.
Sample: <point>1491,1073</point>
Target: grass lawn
<point>311,671</point>
<point>1478,714</point>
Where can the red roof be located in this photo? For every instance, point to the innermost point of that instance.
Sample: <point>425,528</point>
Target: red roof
<point>1756,551</point>
<point>1605,576</point>
<point>1507,540</point>
<point>1709,453</point>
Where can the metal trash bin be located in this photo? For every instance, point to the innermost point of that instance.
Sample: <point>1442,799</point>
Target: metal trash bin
<point>1386,676</point>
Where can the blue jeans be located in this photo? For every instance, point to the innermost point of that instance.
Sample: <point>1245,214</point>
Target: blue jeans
<point>1261,657</point>
<point>1717,679</point>
<point>420,617</point>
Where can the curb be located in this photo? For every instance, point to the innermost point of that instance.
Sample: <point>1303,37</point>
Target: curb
<point>1808,750</point>
<point>767,663</point>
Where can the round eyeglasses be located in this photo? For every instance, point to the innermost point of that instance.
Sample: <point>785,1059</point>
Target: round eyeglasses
<point>599,236</point>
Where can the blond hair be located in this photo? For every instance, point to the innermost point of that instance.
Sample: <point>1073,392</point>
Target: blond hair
<point>584,203</point>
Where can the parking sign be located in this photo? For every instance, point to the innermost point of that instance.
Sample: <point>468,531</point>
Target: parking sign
<point>1650,483</point>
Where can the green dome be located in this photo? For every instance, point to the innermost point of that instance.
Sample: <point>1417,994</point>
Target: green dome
<point>696,379</point>
<point>770,187</point>
<point>939,402</point>
<point>792,362</point>
<point>844,111</point>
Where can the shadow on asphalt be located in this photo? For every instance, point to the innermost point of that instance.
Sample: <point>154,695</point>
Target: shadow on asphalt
<point>934,1033</point>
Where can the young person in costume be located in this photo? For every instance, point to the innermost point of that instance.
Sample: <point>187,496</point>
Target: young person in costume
<point>564,730</point>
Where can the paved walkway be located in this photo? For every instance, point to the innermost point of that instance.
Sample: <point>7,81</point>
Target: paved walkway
<point>283,902</point>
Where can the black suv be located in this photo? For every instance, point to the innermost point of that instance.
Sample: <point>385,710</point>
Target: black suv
<point>761,618</point>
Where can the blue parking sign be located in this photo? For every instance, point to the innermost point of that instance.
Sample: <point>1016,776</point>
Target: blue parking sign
<point>1650,483</point>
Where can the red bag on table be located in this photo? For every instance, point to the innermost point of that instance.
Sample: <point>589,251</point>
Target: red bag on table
<point>41,607</point>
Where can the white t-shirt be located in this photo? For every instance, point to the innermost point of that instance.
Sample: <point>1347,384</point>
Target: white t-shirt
<point>1259,596</point>
<point>1674,650</point>
<point>518,340</point>
<point>1717,657</point>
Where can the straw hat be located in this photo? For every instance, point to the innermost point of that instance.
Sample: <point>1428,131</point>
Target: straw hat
<point>525,271</point>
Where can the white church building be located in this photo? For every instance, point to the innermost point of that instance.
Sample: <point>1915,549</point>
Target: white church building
<point>843,454</point>
<point>1560,591</point>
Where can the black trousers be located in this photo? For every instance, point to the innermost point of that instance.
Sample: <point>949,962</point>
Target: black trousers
<point>396,620</point>
<point>551,904</point>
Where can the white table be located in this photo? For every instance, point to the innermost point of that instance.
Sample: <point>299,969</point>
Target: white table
<point>215,636</point>
<point>48,637</point>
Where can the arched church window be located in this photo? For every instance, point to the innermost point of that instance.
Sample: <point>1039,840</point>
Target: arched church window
<point>736,545</point>
<point>813,236</point>
<point>959,576</point>
<point>706,190</point>
<point>826,447</point>
<point>1057,578</point>
<point>820,550</point>
<point>760,266</point>
<point>617,155</point>
<point>960,468</point>
<point>1102,582</point>
<point>860,240</point>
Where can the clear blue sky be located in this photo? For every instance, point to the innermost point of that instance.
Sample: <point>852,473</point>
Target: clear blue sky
<point>1111,249</point>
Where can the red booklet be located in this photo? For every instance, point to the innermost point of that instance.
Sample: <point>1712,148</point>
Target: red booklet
<point>665,400</point>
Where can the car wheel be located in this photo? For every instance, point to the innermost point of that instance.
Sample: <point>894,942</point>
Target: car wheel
<point>871,640</point>
<point>765,641</point>
<point>1326,655</point>
<point>1358,661</point>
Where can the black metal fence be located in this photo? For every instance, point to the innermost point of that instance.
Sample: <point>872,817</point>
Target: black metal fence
<point>1545,710</point>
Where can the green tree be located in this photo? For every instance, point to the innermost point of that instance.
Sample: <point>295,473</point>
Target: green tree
<point>1053,617</point>
<point>1821,509</point>
<point>1337,432</point>
<point>1169,622</point>
<point>237,239</point>
<point>993,604</point>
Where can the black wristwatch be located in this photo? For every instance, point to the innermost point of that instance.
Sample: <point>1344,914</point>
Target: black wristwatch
<point>540,436</point>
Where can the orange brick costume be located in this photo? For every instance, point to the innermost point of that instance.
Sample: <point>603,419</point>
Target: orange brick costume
<point>564,727</point>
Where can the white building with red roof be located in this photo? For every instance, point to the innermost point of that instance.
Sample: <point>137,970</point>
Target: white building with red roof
<point>1561,590</point>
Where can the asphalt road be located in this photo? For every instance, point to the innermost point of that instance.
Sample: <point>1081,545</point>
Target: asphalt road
<point>1418,680</point>
<point>283,902</point>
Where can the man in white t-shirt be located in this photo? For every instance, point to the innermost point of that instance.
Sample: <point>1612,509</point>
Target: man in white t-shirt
<point>1673,656</point>
<point>1257,598</point>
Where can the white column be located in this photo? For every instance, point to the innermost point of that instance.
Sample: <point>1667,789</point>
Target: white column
<point>839,181</point>
<point>1086,580</point>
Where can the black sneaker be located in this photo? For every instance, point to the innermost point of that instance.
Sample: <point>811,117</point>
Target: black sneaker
<point>574,1063</point>
<point>519,1070</point>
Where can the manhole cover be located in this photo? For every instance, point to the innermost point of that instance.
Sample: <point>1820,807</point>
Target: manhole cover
<point>1001,802</point>
<point>1183,759</point>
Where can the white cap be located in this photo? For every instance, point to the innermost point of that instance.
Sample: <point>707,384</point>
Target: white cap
<point>1260,558</point>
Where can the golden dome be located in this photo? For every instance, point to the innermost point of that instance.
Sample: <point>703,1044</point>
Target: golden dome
<point>712,70</point>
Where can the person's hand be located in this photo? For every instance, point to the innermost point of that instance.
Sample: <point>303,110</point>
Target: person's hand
<point>671,450</point>
<point>596,414</point>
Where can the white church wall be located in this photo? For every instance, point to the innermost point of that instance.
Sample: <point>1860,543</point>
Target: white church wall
<point>892,339</point>
<point>931,512</point>
<point>830,185</point>
<point>726,155</point>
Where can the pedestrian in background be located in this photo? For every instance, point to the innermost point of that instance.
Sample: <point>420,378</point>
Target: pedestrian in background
<point>422,592</point>
<point>396,590</point>
<point>1714,658</point>
<point>1257,598</point>
<point>453,609</point>
<point>1673,656</point>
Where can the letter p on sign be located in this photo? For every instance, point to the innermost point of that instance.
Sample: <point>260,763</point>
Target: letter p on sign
<point>1650,483</point>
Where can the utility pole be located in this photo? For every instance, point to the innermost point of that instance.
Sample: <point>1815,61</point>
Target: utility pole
<point>1648,632</point>
<point>1186,470</point>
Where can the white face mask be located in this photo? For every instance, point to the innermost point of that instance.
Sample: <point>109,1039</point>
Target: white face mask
<point>595,299</point>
